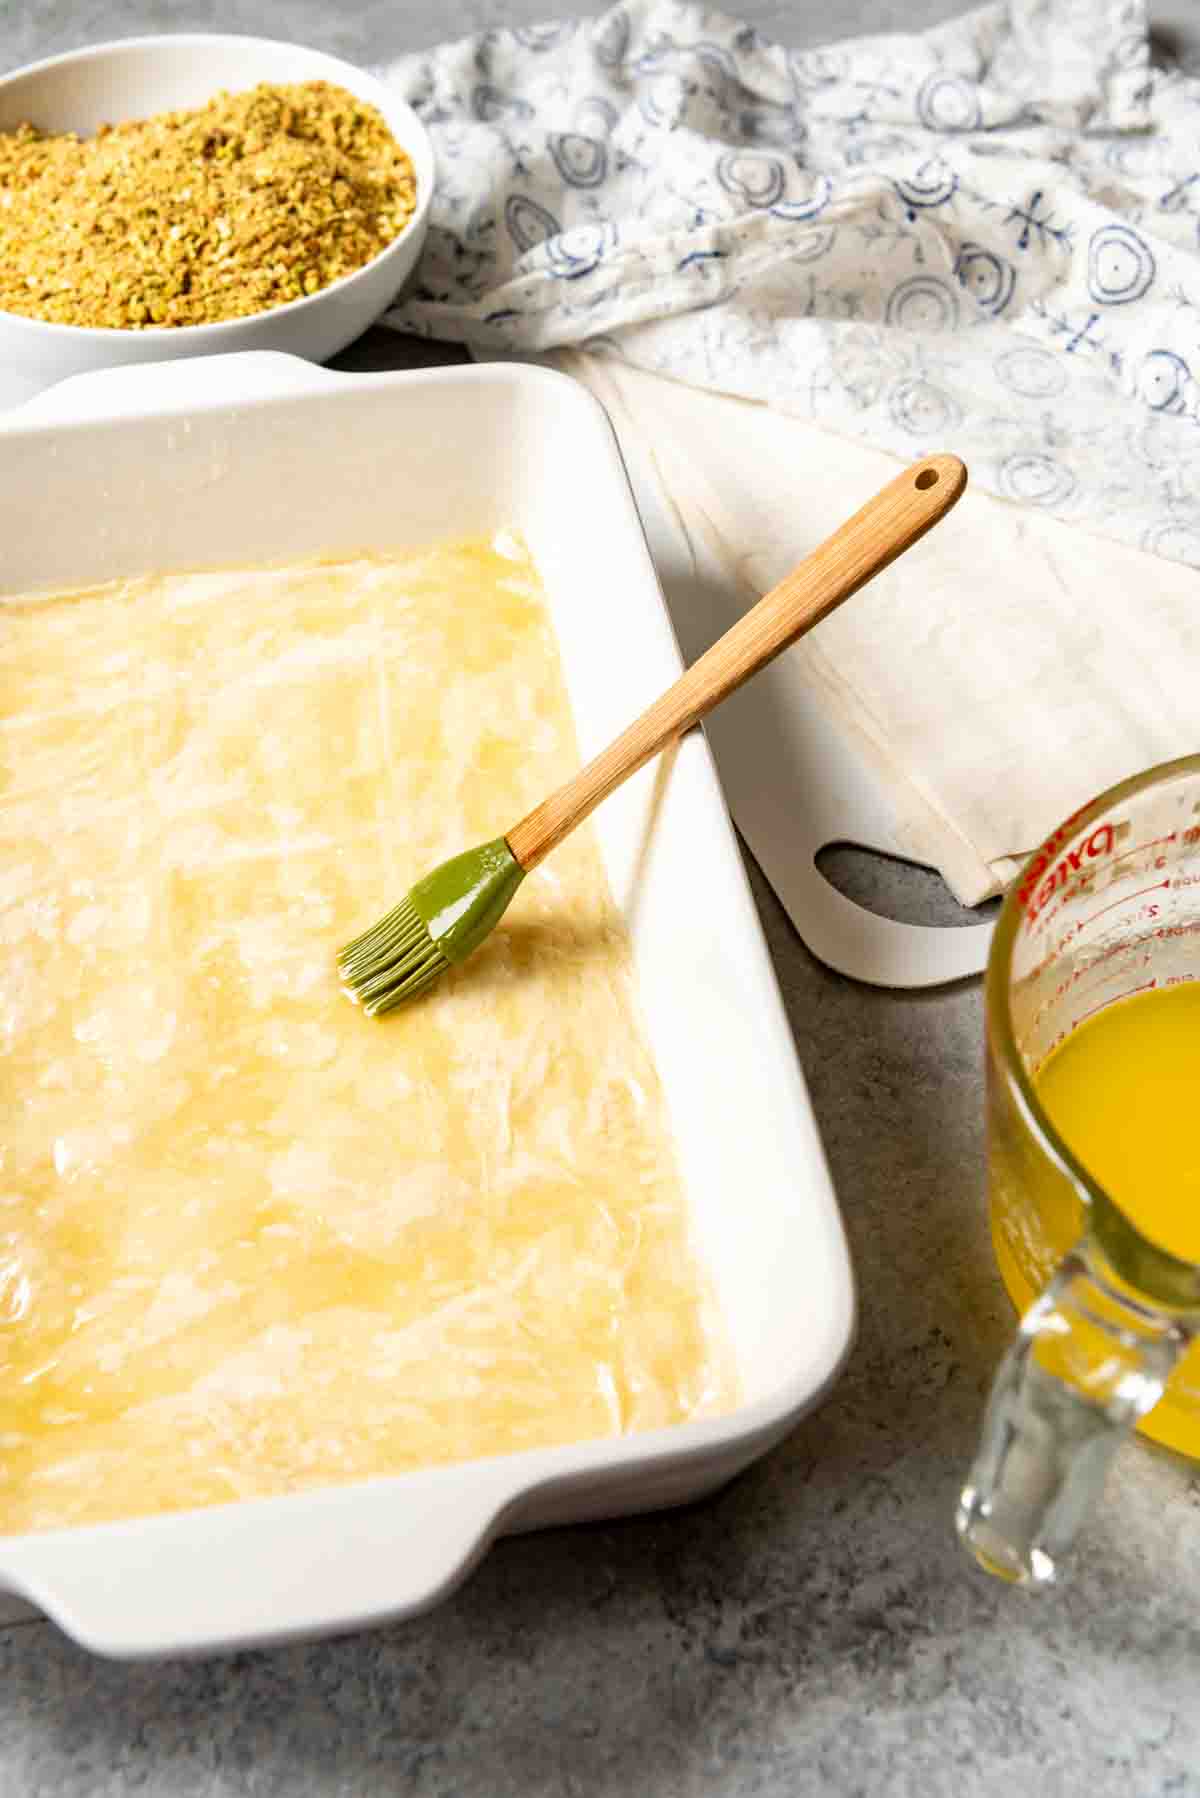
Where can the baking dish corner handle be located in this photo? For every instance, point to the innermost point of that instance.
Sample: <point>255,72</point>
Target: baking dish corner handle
<point>264,1572</point>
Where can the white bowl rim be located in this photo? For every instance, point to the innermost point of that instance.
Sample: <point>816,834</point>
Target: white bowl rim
<point>194,334</point>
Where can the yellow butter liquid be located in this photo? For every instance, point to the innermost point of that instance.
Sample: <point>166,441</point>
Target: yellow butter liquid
<point>250,1240</point>
<point>1123,1091</point>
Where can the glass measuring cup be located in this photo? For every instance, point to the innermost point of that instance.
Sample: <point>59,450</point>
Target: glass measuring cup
<point>1109,906</point>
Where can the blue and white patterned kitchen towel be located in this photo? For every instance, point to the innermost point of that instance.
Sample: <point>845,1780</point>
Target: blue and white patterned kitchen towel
<point>983,237</point>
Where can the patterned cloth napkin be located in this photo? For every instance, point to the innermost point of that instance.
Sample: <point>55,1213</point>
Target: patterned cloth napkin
<point>984,238</point>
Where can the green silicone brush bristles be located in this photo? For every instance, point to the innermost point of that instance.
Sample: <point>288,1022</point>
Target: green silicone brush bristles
<point>444,918</point>
<point>395,961</point>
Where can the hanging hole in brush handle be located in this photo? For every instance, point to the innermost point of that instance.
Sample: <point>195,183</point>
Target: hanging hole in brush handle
<point>1089,1361</point>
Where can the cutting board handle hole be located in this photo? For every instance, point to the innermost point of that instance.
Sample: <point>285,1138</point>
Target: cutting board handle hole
<point>891,887</point>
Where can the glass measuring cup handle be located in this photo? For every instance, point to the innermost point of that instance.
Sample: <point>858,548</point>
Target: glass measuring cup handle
<point>1089,1360</point>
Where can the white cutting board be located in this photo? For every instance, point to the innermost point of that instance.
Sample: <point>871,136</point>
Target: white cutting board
<point>823,790</point>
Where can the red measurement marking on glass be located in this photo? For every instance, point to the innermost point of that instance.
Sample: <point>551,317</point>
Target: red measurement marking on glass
<point>1105,1003</point>
<point>1064,986</point>
<point>1124,900</point>
<point>1046,918</point>
<point>1098,961</point>
<point>1170,932</point>
<point>1152,844</point>
<point>1053,909</point>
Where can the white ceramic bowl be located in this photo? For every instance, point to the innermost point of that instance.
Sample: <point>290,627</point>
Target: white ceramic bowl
<point>112,82</point>
<point>266,459</point>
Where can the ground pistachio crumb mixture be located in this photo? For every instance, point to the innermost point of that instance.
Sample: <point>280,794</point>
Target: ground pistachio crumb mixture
<point>188,218</point>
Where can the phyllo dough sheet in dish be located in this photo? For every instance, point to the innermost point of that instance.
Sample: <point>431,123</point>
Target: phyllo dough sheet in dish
<point>251,1241</point>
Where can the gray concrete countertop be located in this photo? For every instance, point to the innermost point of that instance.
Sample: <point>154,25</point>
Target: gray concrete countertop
<point>814,1628</point>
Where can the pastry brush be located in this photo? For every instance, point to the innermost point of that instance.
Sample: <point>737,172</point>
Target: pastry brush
<point>451,910</point>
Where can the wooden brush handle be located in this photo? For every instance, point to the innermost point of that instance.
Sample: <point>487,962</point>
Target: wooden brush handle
<point>885,527</point>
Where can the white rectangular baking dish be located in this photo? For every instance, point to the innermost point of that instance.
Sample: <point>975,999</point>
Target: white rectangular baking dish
<point>259,458</point>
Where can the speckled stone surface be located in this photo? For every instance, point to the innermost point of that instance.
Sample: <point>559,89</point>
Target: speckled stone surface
<point>811,1630</point>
